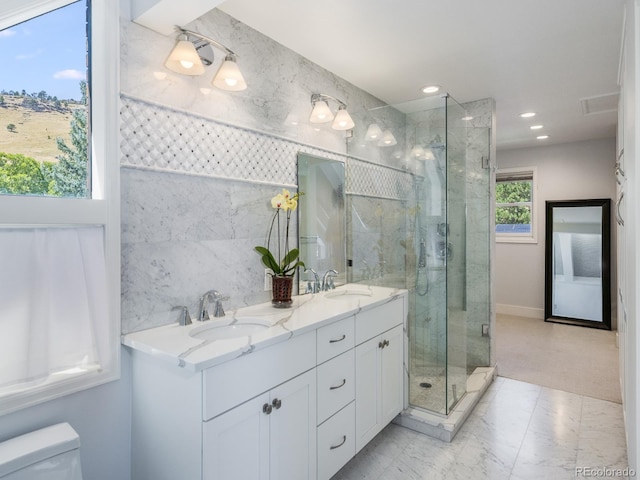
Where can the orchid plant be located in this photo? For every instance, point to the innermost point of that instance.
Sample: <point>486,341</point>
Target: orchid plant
<point>284,261</point>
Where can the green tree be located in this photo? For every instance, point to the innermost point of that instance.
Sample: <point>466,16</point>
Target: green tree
<point>11,127</point>
<point>22,175</point>
<point>513,192</point>
<point>70,173</point>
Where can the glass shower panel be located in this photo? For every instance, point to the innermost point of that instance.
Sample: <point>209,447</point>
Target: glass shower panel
<point>426,134</point>
<point>454,251</point>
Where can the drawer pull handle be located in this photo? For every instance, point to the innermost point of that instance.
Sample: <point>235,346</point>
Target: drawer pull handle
<point>277,403</point>
<point>344,380</point>
<point>266,408</point>
<point>338,339</point>
<point>344,439</point>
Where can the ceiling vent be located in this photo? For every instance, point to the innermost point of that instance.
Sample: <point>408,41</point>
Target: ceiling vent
<point>600,104</point>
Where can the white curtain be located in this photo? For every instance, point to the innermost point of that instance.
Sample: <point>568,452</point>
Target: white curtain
<point>53,302</point>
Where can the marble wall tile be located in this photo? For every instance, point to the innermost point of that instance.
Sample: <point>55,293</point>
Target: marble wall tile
<point>188,226</point>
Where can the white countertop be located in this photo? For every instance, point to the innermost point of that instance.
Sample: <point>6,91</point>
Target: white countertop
<point>177,345</point>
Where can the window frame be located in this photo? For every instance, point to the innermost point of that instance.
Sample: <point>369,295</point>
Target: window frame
<point>510,174</point>
<point>104,206</point>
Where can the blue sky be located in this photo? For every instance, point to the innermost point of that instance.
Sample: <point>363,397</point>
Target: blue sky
<point>46,53</point>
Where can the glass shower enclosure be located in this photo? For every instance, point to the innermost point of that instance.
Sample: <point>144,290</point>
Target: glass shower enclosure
<point>423,224</point>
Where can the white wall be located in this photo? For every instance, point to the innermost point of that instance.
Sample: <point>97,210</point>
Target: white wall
<point>102,418</point>
<point>571,171</point>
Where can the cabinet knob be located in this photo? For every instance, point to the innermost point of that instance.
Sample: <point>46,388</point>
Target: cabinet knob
<point>266,408</point>
<point>380,344</point>
<point>277,403</point>
<point>386,343</point>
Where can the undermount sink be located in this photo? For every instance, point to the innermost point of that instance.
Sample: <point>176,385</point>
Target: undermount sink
<point>349,293</point>
<point>240,328</point>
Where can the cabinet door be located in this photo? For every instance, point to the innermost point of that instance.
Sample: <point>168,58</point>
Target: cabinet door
<point>367,391</point>
<point>236,444</point>
<point>391,373</point>
<point>293,429</point>
<point>379,387</point>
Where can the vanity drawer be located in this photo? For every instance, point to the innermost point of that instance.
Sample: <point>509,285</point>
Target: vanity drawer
<point>336,384</point>
<point>233,382</point>
<point>372,323</point>
<point>335,338</point>
<point>336,442</point>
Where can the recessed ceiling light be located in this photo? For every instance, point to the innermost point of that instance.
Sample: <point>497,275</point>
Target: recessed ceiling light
<point>430,89</point>
<point>467,118</point>
<point>535,127</point>
<point>542,137</point>
<point>528,114</point>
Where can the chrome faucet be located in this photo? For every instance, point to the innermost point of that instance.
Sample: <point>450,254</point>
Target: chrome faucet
<point>327,280</point>
<point>206,299</point>
<point>185,318</point>
<point>315,288</point>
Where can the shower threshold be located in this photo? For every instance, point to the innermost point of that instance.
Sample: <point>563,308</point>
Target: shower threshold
<point>445,427</point>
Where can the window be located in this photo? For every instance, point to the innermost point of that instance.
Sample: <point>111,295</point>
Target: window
<point>515,205</point>
<point>44,105</point>
<point>60,251</point>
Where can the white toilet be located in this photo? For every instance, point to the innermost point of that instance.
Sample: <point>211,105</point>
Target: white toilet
<point>52,453</point>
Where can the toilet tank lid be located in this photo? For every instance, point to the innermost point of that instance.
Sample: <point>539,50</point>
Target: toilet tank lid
<point>33,447</point>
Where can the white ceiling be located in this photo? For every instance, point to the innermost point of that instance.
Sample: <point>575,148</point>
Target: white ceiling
<point>529,55</point>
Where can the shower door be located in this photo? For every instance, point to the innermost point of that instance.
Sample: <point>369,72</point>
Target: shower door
<point>456,253</point>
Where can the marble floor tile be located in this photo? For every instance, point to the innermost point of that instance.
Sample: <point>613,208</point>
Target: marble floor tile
<point>518,431</point>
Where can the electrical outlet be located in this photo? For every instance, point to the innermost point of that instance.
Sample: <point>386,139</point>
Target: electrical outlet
<point>485,330</point>
<point>267,279</point>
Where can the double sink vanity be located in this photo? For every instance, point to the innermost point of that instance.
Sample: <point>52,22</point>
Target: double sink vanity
<point>265,393</point>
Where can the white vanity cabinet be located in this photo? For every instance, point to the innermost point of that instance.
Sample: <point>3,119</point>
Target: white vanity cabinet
<point>379,380</point>
<point>272,436</point>
<point>298,408</point>
<point>336,395</point>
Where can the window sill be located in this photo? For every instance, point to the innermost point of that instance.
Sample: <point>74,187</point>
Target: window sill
<point>513,239</point>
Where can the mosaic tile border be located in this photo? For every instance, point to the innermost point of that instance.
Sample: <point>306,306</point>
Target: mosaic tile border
<point>160,138</point>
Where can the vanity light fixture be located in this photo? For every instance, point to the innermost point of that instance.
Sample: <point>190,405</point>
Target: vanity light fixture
<point>321,113</point>
<point>193,52</point>
<point>374,133</point>
<point>387,140</point>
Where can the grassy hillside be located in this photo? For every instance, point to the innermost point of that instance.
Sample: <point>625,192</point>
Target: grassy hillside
<point>36,131</point>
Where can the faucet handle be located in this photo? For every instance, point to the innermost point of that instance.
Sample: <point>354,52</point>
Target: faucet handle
<point>185,318</point>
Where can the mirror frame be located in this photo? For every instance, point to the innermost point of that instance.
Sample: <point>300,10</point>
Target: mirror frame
<point>605,247</point>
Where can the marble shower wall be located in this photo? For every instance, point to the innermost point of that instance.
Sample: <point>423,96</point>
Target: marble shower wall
<point>199,165</point>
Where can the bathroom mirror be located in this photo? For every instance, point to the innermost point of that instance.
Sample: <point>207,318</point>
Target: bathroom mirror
<point>577,263</point>
<point>321,217</point>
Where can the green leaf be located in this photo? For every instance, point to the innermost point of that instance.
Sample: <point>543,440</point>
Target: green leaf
<point>268,260</point>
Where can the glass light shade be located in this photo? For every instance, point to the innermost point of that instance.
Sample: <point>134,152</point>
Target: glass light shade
<point>343,120</point>
<point>229,76</point>
<point>184,58</point>
<point>321,112</point>
<point>417,152</point>
<point>387,139</point>
<point>428,154</point>
<point>374,132</point>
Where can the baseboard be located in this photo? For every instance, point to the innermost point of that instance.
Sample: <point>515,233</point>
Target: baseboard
<point>520,311</point>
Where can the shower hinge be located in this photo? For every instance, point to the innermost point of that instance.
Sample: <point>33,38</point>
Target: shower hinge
<point>485,162</point>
